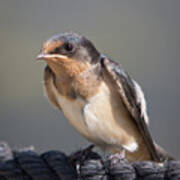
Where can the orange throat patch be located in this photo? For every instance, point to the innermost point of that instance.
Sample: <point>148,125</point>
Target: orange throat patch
<point>74,78</point>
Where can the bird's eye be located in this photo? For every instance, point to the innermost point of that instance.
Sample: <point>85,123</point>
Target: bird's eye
<point>68,47</point>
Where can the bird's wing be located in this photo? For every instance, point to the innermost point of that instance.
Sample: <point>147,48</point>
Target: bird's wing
<point>133,99</point>
<point>49,80</point>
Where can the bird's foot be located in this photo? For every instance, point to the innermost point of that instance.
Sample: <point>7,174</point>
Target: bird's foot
<point>117,156</point>
<point>81,155</point>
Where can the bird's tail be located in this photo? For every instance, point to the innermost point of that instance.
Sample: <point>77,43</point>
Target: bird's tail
<point>163,154</point>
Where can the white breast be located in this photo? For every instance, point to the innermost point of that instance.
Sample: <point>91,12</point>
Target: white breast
<point>103,120</point>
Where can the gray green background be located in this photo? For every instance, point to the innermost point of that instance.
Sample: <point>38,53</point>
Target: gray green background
<point>143,35</point>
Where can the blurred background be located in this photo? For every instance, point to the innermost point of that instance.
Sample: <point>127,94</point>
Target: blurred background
<point>142,35</point>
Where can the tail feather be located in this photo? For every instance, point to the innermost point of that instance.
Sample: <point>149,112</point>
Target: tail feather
<point>163,154</point>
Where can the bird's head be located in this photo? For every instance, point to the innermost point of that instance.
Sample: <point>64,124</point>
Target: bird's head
<point>69,53</point>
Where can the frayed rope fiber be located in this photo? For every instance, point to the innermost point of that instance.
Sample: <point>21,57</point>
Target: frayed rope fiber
<point>26,164</point>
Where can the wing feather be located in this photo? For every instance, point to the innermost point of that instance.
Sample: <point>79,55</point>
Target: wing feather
<point>49,79</point>
<point>133,98</point>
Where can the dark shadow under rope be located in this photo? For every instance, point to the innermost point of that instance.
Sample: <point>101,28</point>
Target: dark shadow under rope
<point>55,165</point>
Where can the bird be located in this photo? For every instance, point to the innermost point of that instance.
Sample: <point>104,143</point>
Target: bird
<point>98,97</point>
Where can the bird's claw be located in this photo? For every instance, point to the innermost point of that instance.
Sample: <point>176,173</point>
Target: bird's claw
<point>81,155</point>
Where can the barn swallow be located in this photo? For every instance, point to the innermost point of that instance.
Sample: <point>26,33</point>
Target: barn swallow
<point>101,101</point>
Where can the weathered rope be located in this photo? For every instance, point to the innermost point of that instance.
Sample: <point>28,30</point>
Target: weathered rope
<point>55,165</point>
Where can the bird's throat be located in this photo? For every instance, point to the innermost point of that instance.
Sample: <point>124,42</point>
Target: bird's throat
<point>80,82</point>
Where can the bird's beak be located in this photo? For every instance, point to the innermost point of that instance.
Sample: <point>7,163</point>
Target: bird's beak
<point>41,56</point>
<point>51,57</point>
